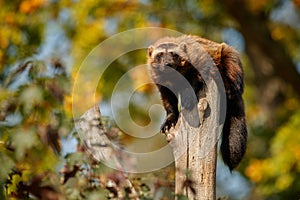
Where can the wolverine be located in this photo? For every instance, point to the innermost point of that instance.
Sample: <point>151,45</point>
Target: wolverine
<point>171,56</point>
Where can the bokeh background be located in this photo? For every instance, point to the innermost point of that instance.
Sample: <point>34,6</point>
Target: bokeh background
<point>44,42</point>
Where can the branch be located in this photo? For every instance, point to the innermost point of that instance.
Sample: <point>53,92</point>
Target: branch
<point>94,135</point>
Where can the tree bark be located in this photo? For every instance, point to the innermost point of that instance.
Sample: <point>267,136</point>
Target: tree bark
<point>195,150</point>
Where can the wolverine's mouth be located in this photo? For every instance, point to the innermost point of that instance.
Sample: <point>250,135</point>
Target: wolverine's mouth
<point>170,65</point>
<point>162,67</point>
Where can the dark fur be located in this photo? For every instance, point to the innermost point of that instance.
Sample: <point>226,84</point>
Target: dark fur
<point>176,53</point>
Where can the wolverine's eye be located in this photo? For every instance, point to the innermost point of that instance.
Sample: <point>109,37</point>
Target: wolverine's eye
<point>175,56</point>
<point>158,57</point>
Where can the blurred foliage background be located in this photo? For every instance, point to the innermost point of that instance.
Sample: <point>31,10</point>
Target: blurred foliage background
<point>42,44</point>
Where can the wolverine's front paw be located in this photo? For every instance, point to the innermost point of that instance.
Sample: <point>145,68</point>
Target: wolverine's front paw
<point>171,120</point>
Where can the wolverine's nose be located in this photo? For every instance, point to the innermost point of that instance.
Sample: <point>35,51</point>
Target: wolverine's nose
<point>167,64</point>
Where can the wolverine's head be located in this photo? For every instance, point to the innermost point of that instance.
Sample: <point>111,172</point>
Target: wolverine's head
<point>167,54</point>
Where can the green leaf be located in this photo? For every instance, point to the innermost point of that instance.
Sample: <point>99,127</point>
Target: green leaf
<point>182,197</point>
<point>24,139</point>
<point>6,165</point>
<point>95,195</point>
<point>75,158</point>
<point>30,97</point>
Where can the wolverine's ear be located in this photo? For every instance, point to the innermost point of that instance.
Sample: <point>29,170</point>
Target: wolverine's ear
<point>183,46</point>
<point>150,50</point>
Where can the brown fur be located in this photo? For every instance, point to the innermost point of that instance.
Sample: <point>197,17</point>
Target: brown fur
<point>176,53</point>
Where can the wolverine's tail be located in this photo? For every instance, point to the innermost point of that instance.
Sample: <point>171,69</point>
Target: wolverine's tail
<point>234,137</point>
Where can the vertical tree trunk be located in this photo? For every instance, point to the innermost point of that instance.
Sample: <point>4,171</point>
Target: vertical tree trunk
<point>195,151</point>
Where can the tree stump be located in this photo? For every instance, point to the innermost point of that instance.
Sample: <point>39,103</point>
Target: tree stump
<point>195,149</point>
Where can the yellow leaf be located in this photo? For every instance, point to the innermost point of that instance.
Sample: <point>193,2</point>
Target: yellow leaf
<point>253,170</point>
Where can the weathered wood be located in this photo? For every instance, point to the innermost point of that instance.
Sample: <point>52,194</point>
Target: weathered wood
<point>195,150</point>
<point>93,134</point>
